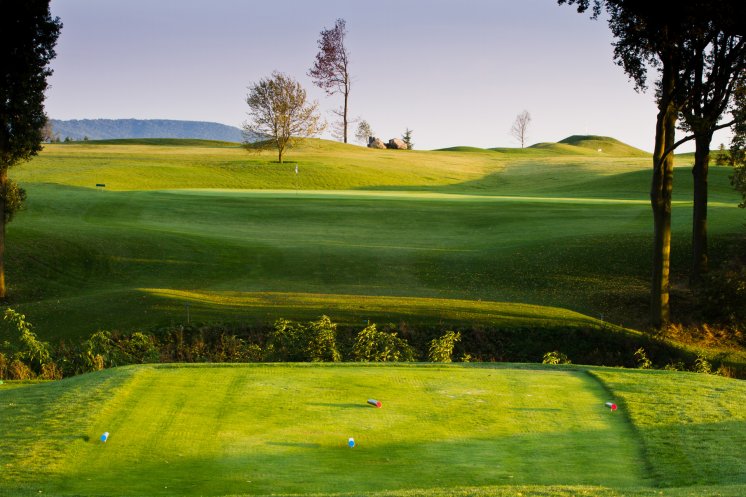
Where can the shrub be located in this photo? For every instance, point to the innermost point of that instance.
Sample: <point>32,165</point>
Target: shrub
<point>18,370</point>
<point>441,349</point>
<point>556,357</point>
<point>33,352</point>
<point>3,366</point>
<point>50,371</point>
<point>702,365</point>
<point>100,351</point>
<point>139,348</point>
<point>229,348</point>
<point>372,345</point>
<point>726,371</point>
<point>287,342</point>
<point>321,345</point>
<point>675,366</point>
<point>642,360</point>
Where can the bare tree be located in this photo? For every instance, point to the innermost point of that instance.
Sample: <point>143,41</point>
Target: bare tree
<point>279,110</point>
<point>330,70</point>
<point>519,131</point>
<point>364,131</point>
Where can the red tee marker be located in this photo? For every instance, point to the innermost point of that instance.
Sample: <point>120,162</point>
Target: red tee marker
<point>374,403</point>
<point>611,406</point>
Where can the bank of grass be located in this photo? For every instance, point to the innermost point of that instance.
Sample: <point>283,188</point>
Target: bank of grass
<point>443,430</point>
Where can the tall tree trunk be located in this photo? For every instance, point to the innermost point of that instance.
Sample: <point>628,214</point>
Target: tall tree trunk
<point>3,186</point>
<point>660,199</point>
<point>700,257</point>
<point>344,116</point>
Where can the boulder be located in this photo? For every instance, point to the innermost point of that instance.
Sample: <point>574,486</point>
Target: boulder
<point>374,142</point>
<point>396,143</point>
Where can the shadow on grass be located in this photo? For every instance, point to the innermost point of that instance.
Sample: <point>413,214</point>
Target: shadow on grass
<point>573,458</point>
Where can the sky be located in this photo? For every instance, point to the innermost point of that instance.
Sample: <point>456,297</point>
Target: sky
<point>454,72</point>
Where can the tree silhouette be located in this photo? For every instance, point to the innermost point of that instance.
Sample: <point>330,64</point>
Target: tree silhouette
<point>28,34</point>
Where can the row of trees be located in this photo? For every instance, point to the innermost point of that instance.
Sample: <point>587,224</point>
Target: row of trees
<point>698,52</point>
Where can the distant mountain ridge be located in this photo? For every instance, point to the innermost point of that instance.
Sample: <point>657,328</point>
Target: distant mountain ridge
<point>110,129</point>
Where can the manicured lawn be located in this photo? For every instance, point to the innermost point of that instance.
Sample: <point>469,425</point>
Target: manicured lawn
<point>270,428</point>
<point>443,430</point>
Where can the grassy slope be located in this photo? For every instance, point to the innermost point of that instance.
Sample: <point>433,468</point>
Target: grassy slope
<point>604,145</point>
<point>217,430</point>
<point>450,235</point>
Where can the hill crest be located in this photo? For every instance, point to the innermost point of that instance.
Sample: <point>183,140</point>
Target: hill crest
<point>603,144</point>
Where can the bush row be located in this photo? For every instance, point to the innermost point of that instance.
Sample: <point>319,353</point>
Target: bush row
<point>324,341</point>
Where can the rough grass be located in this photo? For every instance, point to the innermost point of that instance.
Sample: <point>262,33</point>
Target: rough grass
<point>443,430</point>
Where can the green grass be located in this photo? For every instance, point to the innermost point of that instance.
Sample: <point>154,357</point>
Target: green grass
<point>443,236</point>
<point>443,430</point>
<point>604,145</point>
<point>682,428</point>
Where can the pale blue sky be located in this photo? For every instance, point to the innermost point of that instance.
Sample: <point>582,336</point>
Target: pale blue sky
<point>456,72</point>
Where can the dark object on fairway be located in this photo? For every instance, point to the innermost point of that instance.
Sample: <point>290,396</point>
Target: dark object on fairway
<point>611,406</point>
<point>100,185</point>
<point>374,403</point>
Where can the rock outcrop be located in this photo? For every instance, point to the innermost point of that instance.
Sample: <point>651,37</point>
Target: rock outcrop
<point>374,142</point>
<point>397,144</point>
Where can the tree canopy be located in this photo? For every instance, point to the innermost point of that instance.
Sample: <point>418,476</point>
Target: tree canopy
<point>664,36</point>
<point>280,111</point>
<point>28,34</point>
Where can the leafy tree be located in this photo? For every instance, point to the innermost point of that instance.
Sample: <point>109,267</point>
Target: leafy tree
<point>364,131</point>
<point>28,34</point>
<point>519,130</point>
<point>407,138</point>
<point>719,59</point>
<point>330,70</point>
<point>662,37</point>
<point>280,111</point>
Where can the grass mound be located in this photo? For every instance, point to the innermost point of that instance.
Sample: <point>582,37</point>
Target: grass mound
<point>604,144</point>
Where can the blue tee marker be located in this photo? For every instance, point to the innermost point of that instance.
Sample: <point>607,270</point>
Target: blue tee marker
<point>351,442</point>
<point>105,437</point>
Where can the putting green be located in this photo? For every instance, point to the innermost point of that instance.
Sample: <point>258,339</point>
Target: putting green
<point>261,429</point>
